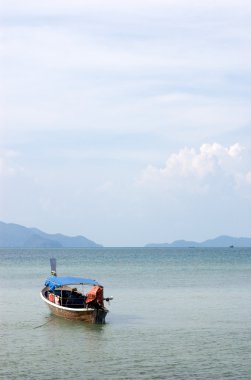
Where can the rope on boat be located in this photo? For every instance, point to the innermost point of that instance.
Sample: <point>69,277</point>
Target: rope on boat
<point>49,320</point>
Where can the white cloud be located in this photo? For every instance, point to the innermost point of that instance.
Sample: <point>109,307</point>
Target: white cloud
<point>122,70</point>
<point>197,113</point>
<point>66,7</point>
<point>7,167</point>
<point>105,187</point>
<point>203,170</point>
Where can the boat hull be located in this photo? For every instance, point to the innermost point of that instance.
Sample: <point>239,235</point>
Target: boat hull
<point>88,315</point>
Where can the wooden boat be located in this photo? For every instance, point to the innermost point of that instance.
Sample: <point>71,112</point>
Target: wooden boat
<point>66,301</point>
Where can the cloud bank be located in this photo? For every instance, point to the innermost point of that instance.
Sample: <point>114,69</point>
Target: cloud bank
<point>93,91</point>
<point>202,170</point>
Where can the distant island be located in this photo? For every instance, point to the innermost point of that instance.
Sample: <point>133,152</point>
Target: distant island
<point>17,236</point>
<point>220,241</point>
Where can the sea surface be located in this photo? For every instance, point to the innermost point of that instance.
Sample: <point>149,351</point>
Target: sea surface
<point>176,314</point>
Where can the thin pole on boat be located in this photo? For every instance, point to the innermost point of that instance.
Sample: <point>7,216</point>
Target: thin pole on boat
<point>53,266</point>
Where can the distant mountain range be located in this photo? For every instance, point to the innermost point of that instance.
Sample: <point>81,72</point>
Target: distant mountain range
<point>16,236</point>
<point>220,241</point>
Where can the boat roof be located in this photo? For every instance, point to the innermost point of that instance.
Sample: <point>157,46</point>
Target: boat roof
<point>55,282</point>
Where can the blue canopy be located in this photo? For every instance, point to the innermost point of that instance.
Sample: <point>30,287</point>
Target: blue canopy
<point>55,282</point>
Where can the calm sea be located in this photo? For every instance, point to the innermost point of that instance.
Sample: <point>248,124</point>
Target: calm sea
<point>176,314</point>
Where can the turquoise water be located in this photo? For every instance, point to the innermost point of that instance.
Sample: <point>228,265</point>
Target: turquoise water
<point>176,314</point>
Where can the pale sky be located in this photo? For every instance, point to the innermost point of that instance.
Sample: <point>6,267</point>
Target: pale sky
<point>126,122</point>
